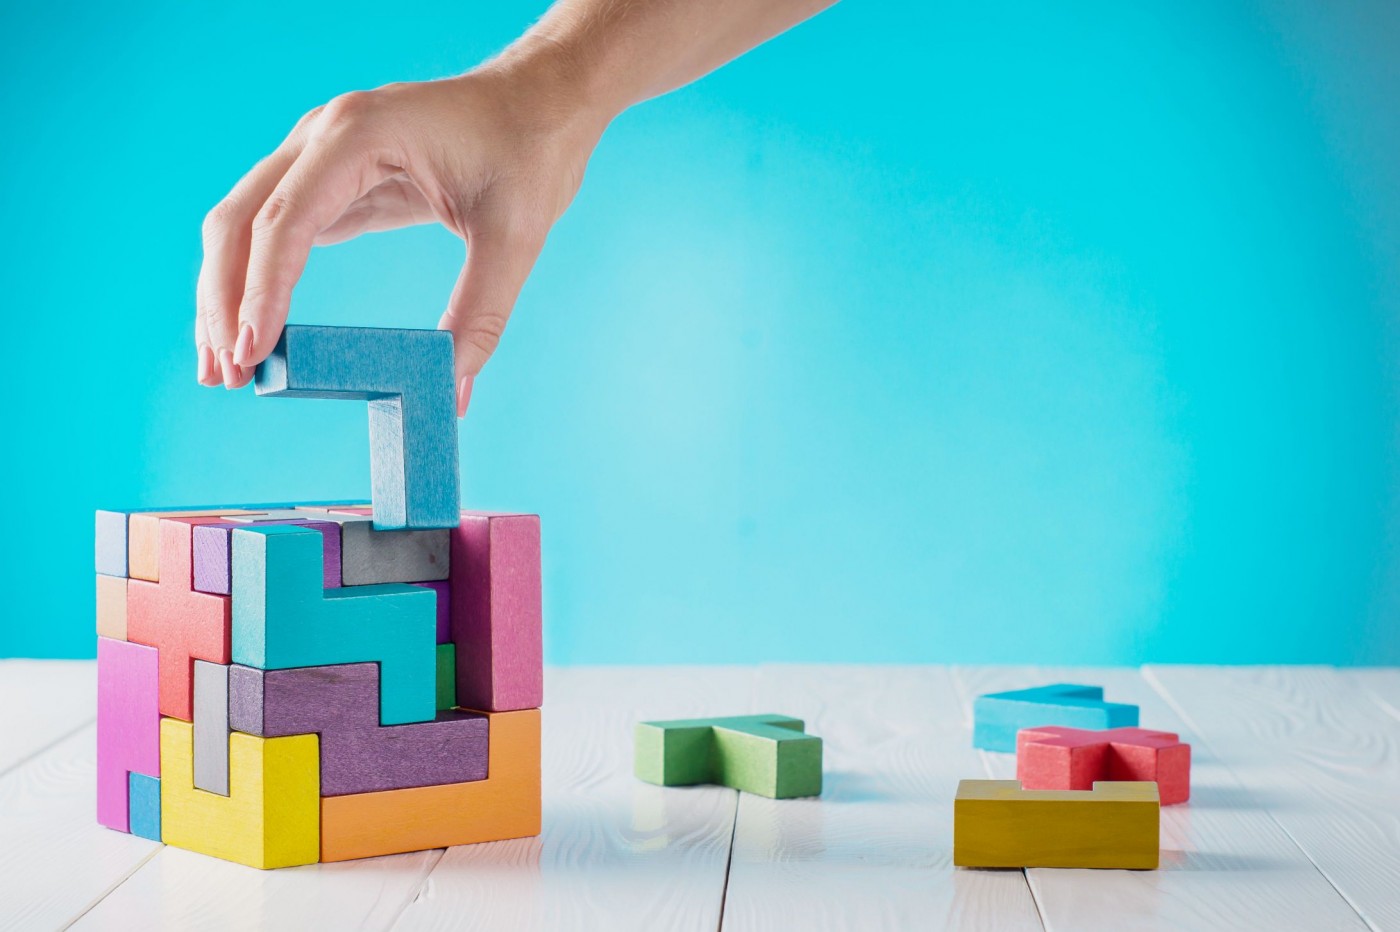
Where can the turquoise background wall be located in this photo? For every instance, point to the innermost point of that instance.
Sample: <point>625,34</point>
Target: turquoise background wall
<point>1040,333</point>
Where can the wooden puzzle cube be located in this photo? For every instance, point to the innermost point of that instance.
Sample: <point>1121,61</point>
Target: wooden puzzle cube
<point>255,705</point>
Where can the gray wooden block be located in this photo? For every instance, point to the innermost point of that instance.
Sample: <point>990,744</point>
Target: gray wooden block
<point>369,556</point>
<point>211,727</point>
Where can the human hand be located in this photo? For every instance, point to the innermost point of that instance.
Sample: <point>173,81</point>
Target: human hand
<point>495,155</point>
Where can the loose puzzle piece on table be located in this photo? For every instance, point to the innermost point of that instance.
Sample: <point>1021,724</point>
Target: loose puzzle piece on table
<point>1055,758</point>
<point>763,754</point>
<point>997,717</point>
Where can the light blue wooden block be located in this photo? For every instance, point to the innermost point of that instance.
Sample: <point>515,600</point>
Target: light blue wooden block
<point>406,376</point>
<point>111,543</point>
<point>998,716</point>
<point>143,804</point>
<point>282,617</point>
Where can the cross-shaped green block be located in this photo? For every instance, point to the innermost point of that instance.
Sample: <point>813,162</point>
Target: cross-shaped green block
<point>763,754</point>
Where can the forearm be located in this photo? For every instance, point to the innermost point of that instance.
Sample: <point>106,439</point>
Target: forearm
<point>618,53</point>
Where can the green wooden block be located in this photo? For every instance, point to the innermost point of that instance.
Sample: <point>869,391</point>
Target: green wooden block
<point>446,676</point>
<point>763,754</point>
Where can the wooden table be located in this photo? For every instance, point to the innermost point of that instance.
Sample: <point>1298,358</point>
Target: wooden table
<point>1294,821</point>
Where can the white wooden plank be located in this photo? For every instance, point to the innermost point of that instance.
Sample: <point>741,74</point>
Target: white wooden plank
<point>44,701</point>
<point>616,853</point>
<point>1381,683</point>
<point>1225,863</point>
<point>875,851</point>
<point>178,889</point>
<point>1324,758</point>
<point>55,860</point>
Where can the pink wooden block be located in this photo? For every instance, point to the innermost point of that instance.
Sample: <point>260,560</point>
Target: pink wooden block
<point>1055,758</point>
<point>496,611</point>
<point>128,724</point>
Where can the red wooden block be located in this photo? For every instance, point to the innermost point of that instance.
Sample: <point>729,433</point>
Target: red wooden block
<point>1055,758</point>
<point>182,624</point>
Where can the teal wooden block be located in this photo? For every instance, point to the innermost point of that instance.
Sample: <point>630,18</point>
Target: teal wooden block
<point>407,378</point>
<point>763,754</point>
<point>144,805</point>
<point>283,618</point>
<point>446,676</point>
<point>997,717</point>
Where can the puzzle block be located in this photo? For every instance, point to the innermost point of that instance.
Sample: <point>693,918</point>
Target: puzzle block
<point>996,823</point>
<point>358,755</point>
<point>504,805</point>
<point>143,537</point>
<point>407,378</point>
<point>211,727</point>
<point>370,556</point>
<point>997,717</point>
<point>1054,758</point>
<point>110,538</point>
<point>144,805</point>
<point>128,719</point>
<point>111,607</point>
<point>271,817</point>
<point>496,611</point>
<point>213,556</point>
<point>282,618</point>
<point>446,677</point>
<point>763,754</point>
<point>184,625</point>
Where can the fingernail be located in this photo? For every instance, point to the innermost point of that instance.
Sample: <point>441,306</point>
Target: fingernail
<point>206,363</point>
<point>244,347</point>
<point>230,369</point>
<point>464,394</point>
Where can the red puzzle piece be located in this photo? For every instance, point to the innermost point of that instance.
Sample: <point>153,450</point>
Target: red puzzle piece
<point>1055,758</point>
<point>182,624</point>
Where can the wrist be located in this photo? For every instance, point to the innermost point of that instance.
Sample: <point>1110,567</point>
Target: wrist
<point>558,76</point>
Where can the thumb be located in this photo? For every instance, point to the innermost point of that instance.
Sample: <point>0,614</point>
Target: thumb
<point>496,268</point>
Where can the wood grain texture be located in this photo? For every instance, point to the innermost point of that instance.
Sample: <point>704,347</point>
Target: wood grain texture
<point>1322,755</point>
<point>128,722</point>
<point>58,697</point>
<point>282,618</point>
<point>143,537</point>
<point>616,853</point>
<point>369,555</point>
<point>875,850</point>
<point>211,727</point>
<point>496,621</point>
<point>56,859</point>
<point>1226,864</point>
<point>407,378</point>
<point>213,554</point>
<point>358,755</point>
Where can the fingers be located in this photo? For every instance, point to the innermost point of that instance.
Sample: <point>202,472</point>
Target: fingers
<point>497,265</point>
<point>227,234</point>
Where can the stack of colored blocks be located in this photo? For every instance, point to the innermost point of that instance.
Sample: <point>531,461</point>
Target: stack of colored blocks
<point>281,685</point>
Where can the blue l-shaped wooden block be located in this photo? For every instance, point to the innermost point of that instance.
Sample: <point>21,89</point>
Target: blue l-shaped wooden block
<point>996,717</point>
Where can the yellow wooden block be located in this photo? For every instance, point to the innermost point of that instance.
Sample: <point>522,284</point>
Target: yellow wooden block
<point>998,824</point>
<point>111,607</point>
<point>272,815</point>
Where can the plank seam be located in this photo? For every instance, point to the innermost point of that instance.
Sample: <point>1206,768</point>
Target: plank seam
<point>43,749</point>
<point>112,889</point>
<point>1160,688</point>
<point>729,862</point>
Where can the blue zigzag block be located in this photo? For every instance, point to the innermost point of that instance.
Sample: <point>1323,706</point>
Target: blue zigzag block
<point>406,376</point>
<point>998,716</point>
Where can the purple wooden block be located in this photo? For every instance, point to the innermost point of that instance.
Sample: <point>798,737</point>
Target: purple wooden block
<point>358,755</point>
<point>444,596</point>
<point>213,565</point>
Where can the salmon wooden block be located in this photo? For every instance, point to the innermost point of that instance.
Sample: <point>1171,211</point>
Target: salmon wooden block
<point>111,607</point>
<point>996,823</point>
<point>143,537</point>
<point>407,378</point>
<point>358,755</point>
<point>1054,758</point>
<point>997,717</point>
<point>504,805</point>
<point>496,618</point>
<point>184,625</point>
<point>128,723</point>
<point>283,618</point>
<point>763,754</point>
<point>271,816</point>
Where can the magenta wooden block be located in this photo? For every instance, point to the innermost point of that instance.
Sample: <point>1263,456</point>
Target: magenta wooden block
<point>128,724</point>
<point>1057,758</point>
<point>213,563</point>
<point>444,608</point>
<point>358,755</point>
<point>496,613</point>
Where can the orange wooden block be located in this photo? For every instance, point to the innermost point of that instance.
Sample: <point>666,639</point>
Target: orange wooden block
<point>143,538</point>
<point>504,805</point>
<point>111,607</point>
<point>182,624</point>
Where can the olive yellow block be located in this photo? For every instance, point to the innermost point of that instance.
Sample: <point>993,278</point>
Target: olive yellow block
<point>111,607</point>
<point>271,817</point>
<point>998,824</point>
